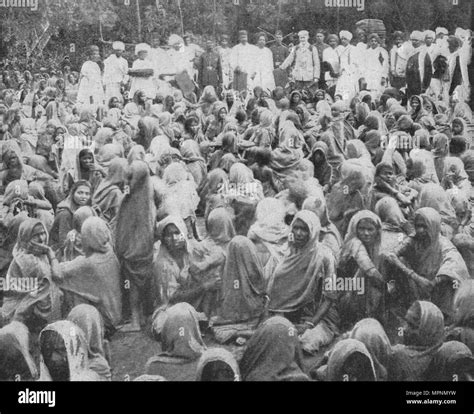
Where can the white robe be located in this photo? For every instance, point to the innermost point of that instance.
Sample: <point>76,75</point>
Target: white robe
<point>264,69</point>
<point>147,85</point>
<point>331,56</point>
<point>375,67</point>
<point>115,73</point>
<point>91,90</point>
<point>348,82</point>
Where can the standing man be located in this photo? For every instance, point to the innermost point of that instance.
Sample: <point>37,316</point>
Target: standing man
<point>419,69</point>
<point>144,82</point>
<point>243,62</point>
<point>91,89</point>
<point>115,73</point>
<point>398,61</point>
<point>193,51</point>
<point>279,51</point>
<point>349,57</point>
<point>304,59</point>
<point>224,52</point>
<point>264,66</point>
<point>442,39</point>
<point>209,67</point>
<point>430,45</point>
<point>376,66</point>
<point>321,46</point>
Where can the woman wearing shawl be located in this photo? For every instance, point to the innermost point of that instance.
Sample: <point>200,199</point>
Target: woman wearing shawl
<point>385,185</point>
<point>427,266</point>
<point>39,300</point>
<point>217,364</point>
<point>349,361</point>
<point>269,234</point>
<point>15,169</point>
<point>462,328</point>
<point>89,320</point>
<point>148,128</point>
<point>264,134</point>
<point>94,278</point>
<point>347,197</point>
<point>181,197</point>
<point>195,163</point>
<point>73,244</point>
<point>217,182</point>
<point>329,235</point>
<point>16,362</point>
<point>243,284</point>
<point>361,261</point>
<point>108,196</point>
<point>65,354</point>
<point>243,195</point>
<point>440,152</point>
<point>417,110</point>
<point>455,178</point>
<point>435,197</point>
<point>422,339</point>
<point>394,225</point>
<point>165,126</point>
<point>225,157</point>
<point>29,137</point>
<point>217,123</point>
<point>79,196</point>
<point>134,235</point>
<point>371,333</point>
<point>273,353</point>
<point>180,271</point>
<point>288,155</point>
<point>461,140</point>
<point>322,169</point>
<point>299,288</point>
<point>181,345</point>
<point>453,362</point>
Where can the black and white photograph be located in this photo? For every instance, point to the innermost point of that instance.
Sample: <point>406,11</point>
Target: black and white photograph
<point>236,190</point>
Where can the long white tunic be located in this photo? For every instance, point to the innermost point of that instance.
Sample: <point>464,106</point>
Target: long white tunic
<point>264,69</point>
<point>375,67</point>
<point>115,73</point>
<point>348,82</point>
<point>147,85</point>
<point>91,90</point>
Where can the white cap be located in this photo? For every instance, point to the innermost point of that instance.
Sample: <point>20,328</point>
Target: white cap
<point>142,47</point>
<point>303,33</point>
<point>441,30</point>
<point>417,35</point>
<point>429,33</point>
<point>174,39</point>
<point>118,46</point>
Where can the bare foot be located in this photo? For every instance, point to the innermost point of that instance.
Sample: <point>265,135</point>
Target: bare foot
<point>130,328</point>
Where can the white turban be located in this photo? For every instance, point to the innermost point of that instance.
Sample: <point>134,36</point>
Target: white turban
<point>118,46</point>
<point>141,47</point>
<point>417,35</point>
<point>429,33</point>
<point>175,40</point>
<point>303,33</point>
<point>345,34</point>
<point>441,30</point>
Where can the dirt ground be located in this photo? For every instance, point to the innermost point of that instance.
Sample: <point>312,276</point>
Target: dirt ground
<point>131,351</point>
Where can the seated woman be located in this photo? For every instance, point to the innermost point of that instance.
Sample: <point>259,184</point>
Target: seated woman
<point>453,362</point>
<point>108,196</point>
<point>385,185</point>
<point>270,234</point>
<point>371,333</point>
<point>216,185</point>
<point>42,206</point>
<point>455,177</point>
<point>172,279</point>
<point>217,364</point>
<point>79,196</point>
<point>427,266</point>
<point>300,289</point>
<point>33,297</point>
<point>273,353</point>
<point>322,169</point>
<point>64,354</point>
<point>394,225</point>
<point>95,277</point>
<point>422,339</point>
<point>361,261</point>
<point>243,195</point>
<point>262,172</point>
<point>347,197</point>
<point>433,196</point>
<point>73,244</point>
<point>181,345</point>
<point>329,235</point>
<point>86,169</point>
<point>462,328</point>
<point>243,292</point>
<point>16,362</point>
<point>89,320</point>
<point>349,361</point>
